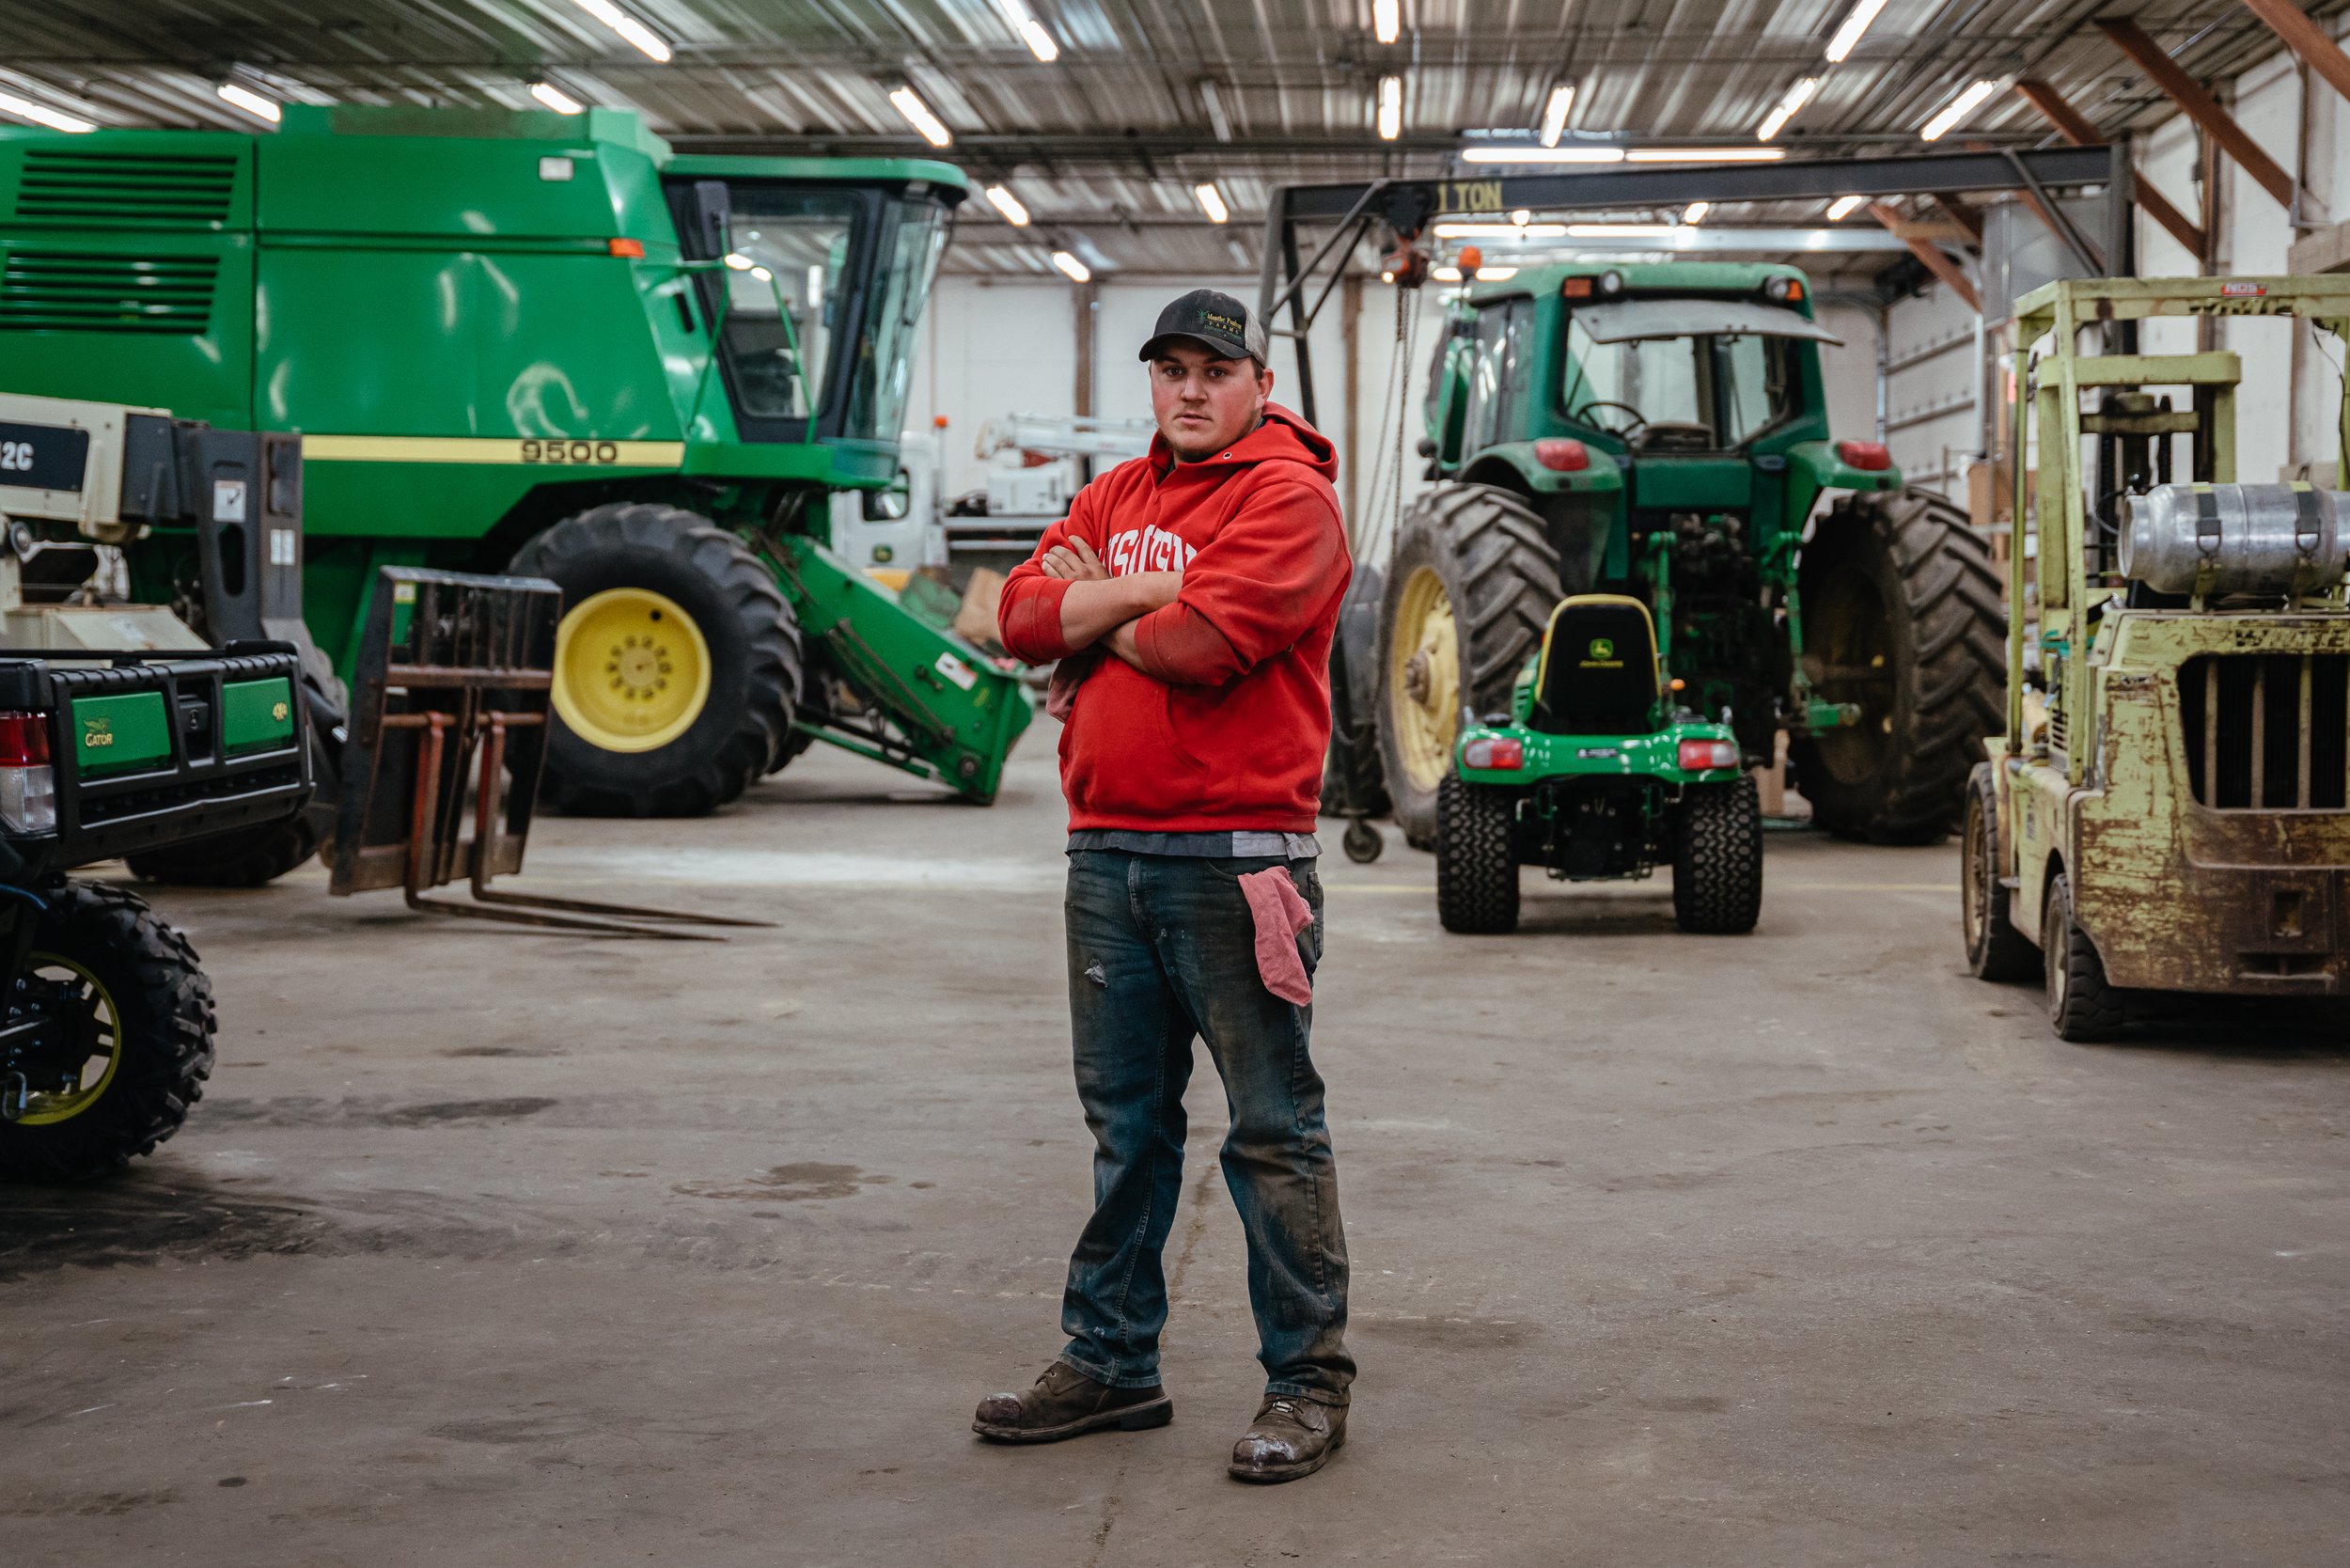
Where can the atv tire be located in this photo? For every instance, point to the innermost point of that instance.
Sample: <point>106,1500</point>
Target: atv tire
<point>752,641</point>
<point>1474,569</point>
<point>1903,613</point>
<point>1995,950</point>
<point>1477,862</point>
<point>1717,859</point>
<point>113,956</point>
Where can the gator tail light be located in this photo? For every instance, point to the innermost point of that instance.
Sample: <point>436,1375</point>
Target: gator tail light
<point>29,784</point>
<point>1494,751</point>
<point>1705,756</point>
<point>1870,457</point>
<point>1563,454</point>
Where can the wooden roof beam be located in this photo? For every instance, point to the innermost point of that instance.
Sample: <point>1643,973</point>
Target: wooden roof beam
<point>2199,105</point>
<point>1928,255</point>
<point>2074,127</point>
<point>2306,38</point>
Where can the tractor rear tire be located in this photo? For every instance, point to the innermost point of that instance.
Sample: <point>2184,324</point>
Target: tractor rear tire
<point>1717,859</point>
<point>2083,1007</point>
<point>1477,862</point>
<point>1904,614</point>
<point>658,559</point>
<point>1995,950</point>
<point>137,975</point>
<point>1469,590</point>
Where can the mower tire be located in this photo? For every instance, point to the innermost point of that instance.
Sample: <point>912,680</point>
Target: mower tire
<point>1469,590</point>
<point>2083,1007</point>
<point>128,983</point>
<point>1477,862</point>
<point>1903,615</point>
<point>1995,950</point>
<point>677,664</point>
<point>1717,859</point>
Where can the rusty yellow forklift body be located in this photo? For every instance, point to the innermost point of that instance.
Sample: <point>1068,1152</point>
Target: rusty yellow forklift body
<point>2180,821</point>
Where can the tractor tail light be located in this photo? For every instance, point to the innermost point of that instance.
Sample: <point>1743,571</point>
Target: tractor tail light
<point>1494,751</point>
<point>28,785</point>
<point>1870,457</point>
<point>1563,454</point>
<point>1705,756</point>
<point>1575,288</point>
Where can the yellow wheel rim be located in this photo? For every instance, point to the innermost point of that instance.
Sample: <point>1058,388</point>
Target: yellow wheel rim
<point>100,1033</point>
<point>1424,678</point>
<point>632,672</point>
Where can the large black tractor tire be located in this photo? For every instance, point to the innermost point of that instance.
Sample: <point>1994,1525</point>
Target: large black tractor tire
<point>1717,859</point>
<point>115,969</point>
<point>1478,557</point>
<point>2083,1007</point>
<point>252,856</point>
<point>1995,950</point>
<point>1903,613</point>
<point>752,641</point>
<point>1477,862</point>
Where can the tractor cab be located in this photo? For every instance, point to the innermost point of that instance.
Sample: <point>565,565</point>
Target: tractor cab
<point>1597,773</point>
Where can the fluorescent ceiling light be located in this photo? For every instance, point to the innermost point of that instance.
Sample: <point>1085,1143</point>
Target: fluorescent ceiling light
<point>763,274</point>
<point>1695,211</point>
<point>1501,231</point>
<point>1023,22</point>
<point>1211,202</point>
<point>1387,19</point>
<point>1523,216</point>
<point>1390,107</point>
<point>1543,155</point>
<point>1008,205</point>
<point>555,98</point>
<point>741,262</point>
<point>1854,25</point>
<point>41,114</point>
<point>1843,206</point>
<point>644,39</point>
<point>918,115</point>
<point>1077,271</point>
<point>250,101</point>
<point>1958,108</point>
<point>1555,114</point>
<point>1484,274</point>
<point>1619,230</point>
<point>1706,154</point>
<point>1797,96</point>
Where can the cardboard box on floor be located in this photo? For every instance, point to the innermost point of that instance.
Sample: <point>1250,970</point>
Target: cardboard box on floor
<point>975,622</point>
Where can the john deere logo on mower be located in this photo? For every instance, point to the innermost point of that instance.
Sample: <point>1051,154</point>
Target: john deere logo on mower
<point>1603,655</point>
<point>1603,649</point>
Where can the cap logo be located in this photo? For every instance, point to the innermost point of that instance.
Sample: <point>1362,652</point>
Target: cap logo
<point>1222,323</point>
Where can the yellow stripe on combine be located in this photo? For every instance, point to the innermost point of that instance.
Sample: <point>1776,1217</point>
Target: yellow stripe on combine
<point>530,450</point>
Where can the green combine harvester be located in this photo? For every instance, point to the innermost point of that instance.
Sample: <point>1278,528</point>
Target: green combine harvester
<point>546,344</point>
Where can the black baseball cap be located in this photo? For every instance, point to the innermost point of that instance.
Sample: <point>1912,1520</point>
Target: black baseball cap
<point>1217,322</point>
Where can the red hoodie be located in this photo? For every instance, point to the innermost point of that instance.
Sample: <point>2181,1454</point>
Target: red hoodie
<point>1227,731</point>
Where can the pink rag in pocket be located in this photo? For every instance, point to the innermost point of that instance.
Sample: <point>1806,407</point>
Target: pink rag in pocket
<point>1281,912</point>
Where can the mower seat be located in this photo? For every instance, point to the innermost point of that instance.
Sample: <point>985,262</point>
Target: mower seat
<point>1598,672</point>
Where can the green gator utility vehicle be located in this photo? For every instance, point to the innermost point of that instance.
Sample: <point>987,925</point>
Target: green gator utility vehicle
<point>1661,431</point>
<point>108,1036</point>
<point>527,341</point>
<point>1596,773</point>
<point>2172,813</point>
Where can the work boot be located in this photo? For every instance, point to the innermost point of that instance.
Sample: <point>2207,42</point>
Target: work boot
<point>1291,1437</point>
<point>1064,1402</point>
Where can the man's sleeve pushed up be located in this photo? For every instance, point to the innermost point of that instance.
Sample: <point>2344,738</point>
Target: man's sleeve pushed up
<point>1028,616</point>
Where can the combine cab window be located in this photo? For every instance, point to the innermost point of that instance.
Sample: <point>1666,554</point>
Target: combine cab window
<point>1707,392</point>
<point>877,394</point>
<point>783,289</point>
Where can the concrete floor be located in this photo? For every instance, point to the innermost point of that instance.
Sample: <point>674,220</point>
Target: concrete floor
<point>1801,1249</point>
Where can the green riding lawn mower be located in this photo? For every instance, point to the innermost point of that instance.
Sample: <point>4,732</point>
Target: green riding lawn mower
<point>1659,432</point>
<point>545,344</point>
<point>1598,772</point>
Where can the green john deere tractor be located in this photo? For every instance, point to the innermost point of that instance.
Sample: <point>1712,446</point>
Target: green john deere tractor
<point>549,344</point>
<point>1660,431</point>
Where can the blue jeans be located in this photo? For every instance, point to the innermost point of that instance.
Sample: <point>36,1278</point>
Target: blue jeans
<point>1161,950</point>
